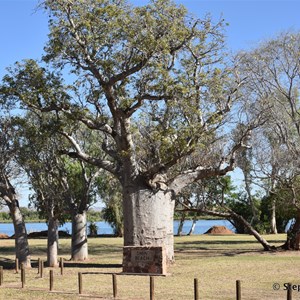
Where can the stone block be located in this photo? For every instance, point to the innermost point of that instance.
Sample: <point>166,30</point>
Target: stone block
<point>147,260</point>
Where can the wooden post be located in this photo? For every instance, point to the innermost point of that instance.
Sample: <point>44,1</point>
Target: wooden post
<point>1,275</point>
<point>115,287</point>
<point>41,268</point>
<point>151,288</point>
<point>23,275</point>
<point>196,292</point>
<point>61,266</point>
<point>51,280</point>
<point>289,292</point>
<point>17,265</point>
<point>238,290</point>
<point>80,283</point>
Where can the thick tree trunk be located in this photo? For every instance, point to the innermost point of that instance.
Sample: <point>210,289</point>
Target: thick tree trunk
<point>293,235</point>
<point>148,218</point>
<point>79,237</point>
<point>52,247</point>
<point>21,240</point>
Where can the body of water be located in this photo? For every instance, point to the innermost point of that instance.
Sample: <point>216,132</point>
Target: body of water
<point>104,228</point>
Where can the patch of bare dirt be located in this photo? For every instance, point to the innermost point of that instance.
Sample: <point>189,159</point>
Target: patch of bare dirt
<point>3,236</point>
<point>219,230</point>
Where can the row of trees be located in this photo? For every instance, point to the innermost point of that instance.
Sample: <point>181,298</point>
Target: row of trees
<point>153,109</point>
<point>32,215</point>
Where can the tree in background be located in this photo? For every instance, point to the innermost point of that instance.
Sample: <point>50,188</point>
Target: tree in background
<point>63,186</point>
<point>273,84</point>
<point>9,170</point>
<point>38,155</point>
<point>111,194</point>
<point>80,189</point>
<point>216,197</point>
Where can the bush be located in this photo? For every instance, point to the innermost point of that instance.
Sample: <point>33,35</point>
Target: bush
<point>93,229</point>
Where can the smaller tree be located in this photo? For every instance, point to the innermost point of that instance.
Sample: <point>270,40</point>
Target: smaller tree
<point>285,212</point>
<point>240,205</point>
<point>38,155</point>
<point>213,197</point>
<point>111,194</point>
<point>9,170</point>
<point>272,84</point>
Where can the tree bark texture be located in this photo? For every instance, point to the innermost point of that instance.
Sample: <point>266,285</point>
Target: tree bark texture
<point>181,223</point>
<point>8,194</point>
<point>251,230</point>
<point>193,225</point>
<point>79,237</point>
<point>52,246</point>
<point>273,217</point>
<point>21,240</point>
<point>293,235</point>
<point>148,219</point>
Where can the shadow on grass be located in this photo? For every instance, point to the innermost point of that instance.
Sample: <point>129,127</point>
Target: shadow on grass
<point>72,264</point>
<point>212,253</point>
<point>7,250</point>
<point>226,242</point>
<point>10,264</point>
<point>211,248</point>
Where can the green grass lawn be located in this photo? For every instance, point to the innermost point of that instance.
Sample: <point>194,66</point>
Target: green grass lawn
<point>217,262</point>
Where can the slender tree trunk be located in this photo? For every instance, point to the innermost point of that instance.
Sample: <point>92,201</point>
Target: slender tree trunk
<point>273,200</point>
<point>21,240</point>
<point>52,247</point>
<point>79,237</point>
<point>181,223</point>
<point>255,218</point>
<point>148,218</point>
<point>119,230</point>
<point>193,225</point>
<point>232,215</point>
<point>273,217</point>
<point>118,226</point>
<point>251,230</point>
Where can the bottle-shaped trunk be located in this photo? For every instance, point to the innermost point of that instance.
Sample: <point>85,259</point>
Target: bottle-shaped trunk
<point>79,237</point>
<point>21,240</point>
<point>148,219</point>
<point>52,247</point>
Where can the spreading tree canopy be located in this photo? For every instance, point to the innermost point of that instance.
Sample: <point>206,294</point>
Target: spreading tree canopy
<point>155,83</point>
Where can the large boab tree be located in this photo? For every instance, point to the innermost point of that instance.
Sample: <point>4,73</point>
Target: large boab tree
<point>154,81</point>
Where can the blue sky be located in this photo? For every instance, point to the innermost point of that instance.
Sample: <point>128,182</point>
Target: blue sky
<point>23,31</point>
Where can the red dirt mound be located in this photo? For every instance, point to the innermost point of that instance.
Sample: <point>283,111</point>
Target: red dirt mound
<point>219,230</point>
<point>3,236</point>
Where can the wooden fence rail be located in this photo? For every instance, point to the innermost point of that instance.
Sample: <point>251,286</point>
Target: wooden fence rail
<point>288,287</point>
